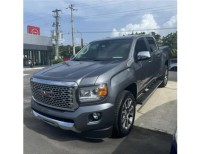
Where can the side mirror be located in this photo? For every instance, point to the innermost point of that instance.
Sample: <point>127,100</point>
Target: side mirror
<point>143,55</point>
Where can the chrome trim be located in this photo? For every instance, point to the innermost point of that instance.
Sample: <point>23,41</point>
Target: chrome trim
<point>143,55</point>
<point>73,85</point>
<point>56,123</point>
<point>56,83</point>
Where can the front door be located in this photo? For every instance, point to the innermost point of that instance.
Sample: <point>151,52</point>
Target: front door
<point>142,68</point>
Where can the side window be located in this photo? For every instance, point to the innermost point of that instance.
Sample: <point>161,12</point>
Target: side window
<point>152,44</point>
<point>140,45</point>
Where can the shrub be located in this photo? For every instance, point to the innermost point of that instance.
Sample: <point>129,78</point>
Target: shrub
<point>55,61</point>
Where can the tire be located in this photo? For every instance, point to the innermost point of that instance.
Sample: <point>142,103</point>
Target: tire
<point>174,69</point>
<point>164,77</point>
<point>124,114</point>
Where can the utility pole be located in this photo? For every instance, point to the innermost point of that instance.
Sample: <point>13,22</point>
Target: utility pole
<point>71,7</point>
<point>81,38</point>
<point>56,24</point>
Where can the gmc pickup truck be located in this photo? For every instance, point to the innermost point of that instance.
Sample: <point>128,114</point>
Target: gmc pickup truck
<point>96,92</point>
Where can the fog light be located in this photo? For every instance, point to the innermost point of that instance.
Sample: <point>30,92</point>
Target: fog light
<point>96,115</point>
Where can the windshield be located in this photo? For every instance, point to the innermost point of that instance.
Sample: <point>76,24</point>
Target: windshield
<point>105,50</point>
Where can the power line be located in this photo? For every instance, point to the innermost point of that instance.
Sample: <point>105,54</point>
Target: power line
<point>107,17</point>
<point>107,4</point>
<point>124,31</point>
<point>99,2</point>
<point>111,16</point>
<point>162,8</point>
<point>38,18</point>
<point>128,14</point>
<point>133,11</point>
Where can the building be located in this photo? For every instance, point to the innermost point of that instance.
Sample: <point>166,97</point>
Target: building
<point>38,49</point>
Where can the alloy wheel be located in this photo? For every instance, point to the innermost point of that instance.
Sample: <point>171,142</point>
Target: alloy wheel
<point>127,114</point>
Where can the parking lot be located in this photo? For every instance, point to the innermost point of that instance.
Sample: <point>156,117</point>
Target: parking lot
<point>155,123</point>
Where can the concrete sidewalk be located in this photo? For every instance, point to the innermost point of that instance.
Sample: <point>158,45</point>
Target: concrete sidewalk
<point>34,68</point>
<point>160,111</point>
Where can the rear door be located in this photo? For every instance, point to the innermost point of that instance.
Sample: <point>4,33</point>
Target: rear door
<point>156,57</point>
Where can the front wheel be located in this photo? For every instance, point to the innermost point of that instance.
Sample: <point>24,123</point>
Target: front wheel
<point>124,114</point>
<point>164,78</point>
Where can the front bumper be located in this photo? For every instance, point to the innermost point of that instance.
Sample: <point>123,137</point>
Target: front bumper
<point>54,122</point>
<point>77,121</point>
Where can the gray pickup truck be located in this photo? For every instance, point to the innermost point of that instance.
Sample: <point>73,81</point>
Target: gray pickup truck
<point>96,92</point>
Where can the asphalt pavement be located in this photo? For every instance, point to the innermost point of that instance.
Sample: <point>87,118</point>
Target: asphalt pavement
<point>151,134</point>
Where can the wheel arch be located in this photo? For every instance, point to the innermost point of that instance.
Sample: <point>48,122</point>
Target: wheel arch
<point>133,89</point>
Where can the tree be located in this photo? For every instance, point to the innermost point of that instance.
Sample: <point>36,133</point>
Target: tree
<point>65,51</point>
<point>77,49</point>
<point>171,41</point>
<point>156,36</point>
<point>140,33</point>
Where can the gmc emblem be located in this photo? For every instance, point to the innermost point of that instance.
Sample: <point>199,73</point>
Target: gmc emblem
<point>48,94</point>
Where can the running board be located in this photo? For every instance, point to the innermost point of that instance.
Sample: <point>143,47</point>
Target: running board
<point>142,99</point>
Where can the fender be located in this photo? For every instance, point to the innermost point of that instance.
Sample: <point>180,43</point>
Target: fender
<point>121,81</point>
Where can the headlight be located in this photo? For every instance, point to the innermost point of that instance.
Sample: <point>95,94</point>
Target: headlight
<point>88,94</point>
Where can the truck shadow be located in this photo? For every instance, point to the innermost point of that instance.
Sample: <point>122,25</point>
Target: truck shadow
<point>146,141</point>
<point>140,140</point>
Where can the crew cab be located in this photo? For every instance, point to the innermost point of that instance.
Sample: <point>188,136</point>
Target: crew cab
<point>96,92</point>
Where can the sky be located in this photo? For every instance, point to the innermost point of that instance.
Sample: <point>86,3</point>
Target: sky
<point>97,19</point>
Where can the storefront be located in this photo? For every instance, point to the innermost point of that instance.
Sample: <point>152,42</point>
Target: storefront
<point>38,49</point>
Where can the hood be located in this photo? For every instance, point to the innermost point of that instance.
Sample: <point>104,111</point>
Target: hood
<point>76,71</point>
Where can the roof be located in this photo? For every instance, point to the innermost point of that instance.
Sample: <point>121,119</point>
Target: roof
<point>37,40</point>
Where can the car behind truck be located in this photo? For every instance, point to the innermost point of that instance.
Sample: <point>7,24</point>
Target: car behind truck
<point>96,92</point>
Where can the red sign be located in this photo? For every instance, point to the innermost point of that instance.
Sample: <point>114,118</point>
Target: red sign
<point>33,30</point>
<point>66,59</point>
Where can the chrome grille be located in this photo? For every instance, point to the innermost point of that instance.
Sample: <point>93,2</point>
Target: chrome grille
<point>59,97</point>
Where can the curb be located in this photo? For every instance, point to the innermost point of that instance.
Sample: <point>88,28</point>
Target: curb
<point>36,68</point>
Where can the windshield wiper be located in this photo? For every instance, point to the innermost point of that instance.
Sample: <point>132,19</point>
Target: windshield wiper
<point>98,60</point>
<point>90,59</point>
<point>101,59</point>
<point>83,59</point>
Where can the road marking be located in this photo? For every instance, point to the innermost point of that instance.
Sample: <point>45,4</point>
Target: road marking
<point>26,74</point>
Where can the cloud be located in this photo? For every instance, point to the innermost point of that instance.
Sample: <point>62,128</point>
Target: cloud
<point>172,22</point>
<point>147,22</point>
<point>101,15</point>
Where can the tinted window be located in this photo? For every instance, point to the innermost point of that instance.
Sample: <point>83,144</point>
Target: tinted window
<point>105,50</point>
<point>152,44</point>
<point>140,45</point>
